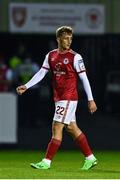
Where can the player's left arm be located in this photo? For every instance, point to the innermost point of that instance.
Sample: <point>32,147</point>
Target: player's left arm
<point>91,103</point>
<point>80,69</point>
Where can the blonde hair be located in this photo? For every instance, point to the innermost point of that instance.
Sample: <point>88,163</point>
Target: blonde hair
<point>63,29</point>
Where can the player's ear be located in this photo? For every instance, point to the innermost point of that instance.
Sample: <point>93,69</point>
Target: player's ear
<point>58,39</point>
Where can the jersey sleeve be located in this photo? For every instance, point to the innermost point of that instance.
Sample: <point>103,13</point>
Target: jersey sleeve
<point>86,85</point>
<point>79,64</point>
<point>46,63</point>
<point>81,70</point>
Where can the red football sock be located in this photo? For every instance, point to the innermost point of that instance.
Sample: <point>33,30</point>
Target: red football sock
<point>82,143</point>
<point>52,148</point>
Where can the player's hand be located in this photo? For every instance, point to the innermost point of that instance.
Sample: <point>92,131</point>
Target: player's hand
<point>92,106</point>
<point>21,89</point>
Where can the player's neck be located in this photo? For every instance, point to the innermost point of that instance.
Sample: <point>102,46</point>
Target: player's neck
<point>63,51</point>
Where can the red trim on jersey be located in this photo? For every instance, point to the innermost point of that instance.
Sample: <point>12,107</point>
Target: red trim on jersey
<point>81,71</point>
<point>67,105</point>
<point>45,68</point>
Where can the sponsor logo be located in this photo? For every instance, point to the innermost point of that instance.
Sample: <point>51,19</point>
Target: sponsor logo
<point>58,69</point>
<point>19,15</point>
<point>58,66</point>
<point>58,116</point>
<point>94,18</point>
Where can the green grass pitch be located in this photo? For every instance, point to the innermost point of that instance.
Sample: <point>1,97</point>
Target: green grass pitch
<point>66,165</point>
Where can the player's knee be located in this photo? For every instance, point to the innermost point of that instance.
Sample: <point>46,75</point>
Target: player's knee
<point>72,128</point>
<point>57,127</point>
<point>69,128</point>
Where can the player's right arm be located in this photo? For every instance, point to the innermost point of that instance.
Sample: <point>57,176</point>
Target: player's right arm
<point>80,69</point>
<point>36,78</point>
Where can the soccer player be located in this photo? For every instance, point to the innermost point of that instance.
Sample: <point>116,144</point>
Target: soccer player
<point>66,66</point>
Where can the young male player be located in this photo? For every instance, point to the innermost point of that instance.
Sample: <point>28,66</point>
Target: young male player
<point>66,66</point>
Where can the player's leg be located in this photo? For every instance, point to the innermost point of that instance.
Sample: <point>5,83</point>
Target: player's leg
<point>82,143</point>
<point>79,138</point>
<point>56,140</point>
<point>57,129</point>
<point>53,146</point>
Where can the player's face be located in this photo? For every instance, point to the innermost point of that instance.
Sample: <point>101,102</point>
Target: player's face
<point>64,41</point>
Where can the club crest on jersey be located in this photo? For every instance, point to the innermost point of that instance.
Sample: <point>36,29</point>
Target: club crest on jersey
<point>66,61</point>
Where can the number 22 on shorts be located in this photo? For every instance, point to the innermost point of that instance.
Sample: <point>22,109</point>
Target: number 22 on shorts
<point>60,110</point>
